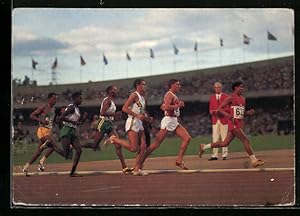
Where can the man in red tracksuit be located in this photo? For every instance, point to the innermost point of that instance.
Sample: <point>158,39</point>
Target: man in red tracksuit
<point>219,121</point>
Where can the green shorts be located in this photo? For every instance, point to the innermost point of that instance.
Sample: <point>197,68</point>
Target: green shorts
<point>104,126</point>
<point>67,132</point>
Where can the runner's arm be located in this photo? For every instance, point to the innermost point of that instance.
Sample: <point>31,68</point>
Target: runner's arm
<point>35,114</point>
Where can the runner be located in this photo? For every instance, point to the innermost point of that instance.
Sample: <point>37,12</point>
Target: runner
<point>71,119</point>
<point>45,116</point>
<point>236,104</point>
<point>171,107</point>
<point>135,108</point>
<point>104,125</point>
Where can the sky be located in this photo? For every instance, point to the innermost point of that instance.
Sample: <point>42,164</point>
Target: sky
<point>44,34</point>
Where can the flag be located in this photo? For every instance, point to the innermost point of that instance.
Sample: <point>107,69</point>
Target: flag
<point>271,37</point>
<point>196,47</point>
<point>105,60</point>
<point>34,63</point>
<point>176,51</point>
<point>151,53</point>
<point>246,39</point>
<point>128,56</point>
<point>54,65</point>
<point>221,42</point>
<point>82,62</point>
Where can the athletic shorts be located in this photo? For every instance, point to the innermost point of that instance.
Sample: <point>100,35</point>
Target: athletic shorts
<point>67,132</point>
<point>42,132</point>
<point>235,123</point>
<point>104,126</point>
<point>169,123</point>
<point>134,124</point>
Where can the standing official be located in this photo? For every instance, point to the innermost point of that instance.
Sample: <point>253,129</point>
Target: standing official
<point>219,121</point>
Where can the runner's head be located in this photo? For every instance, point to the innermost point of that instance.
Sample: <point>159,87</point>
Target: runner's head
<point>76,97</point>
<point>238,87</point>
<point>52,98</point>
<point>139,85</point>
<point>112,90</point>
<point>174,85</point>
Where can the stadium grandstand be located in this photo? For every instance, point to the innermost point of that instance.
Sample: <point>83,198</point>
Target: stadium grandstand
<point>269,90</point>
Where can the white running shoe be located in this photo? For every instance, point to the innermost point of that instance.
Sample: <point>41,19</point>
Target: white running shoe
<point>41,167</point>
<point>139,173</point>
<point>25,172</point>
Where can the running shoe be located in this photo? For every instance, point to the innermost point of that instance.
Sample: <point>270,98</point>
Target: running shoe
<point>127,170</point>
<point>258,163</point>
<point>25,172</point>
<point>201,151</point>
<point>139,173</point>
<point>41,167</point>
<point>181,165</point>
<point>75,175</point>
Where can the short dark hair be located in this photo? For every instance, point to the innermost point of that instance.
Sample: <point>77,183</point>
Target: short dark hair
<point>51,94</point>
<point>236,84</point>
<point>172,81</point>
<point>75,95</point>
<point>109,88</point>
<point>137,82</point>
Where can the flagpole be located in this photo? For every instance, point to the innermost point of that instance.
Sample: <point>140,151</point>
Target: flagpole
<point>32,68</point>
<point>80,74</point>
<point>268,49</point>
<point>31,74</point>
<point>197,62</point>
<point>127,69</point>
<point>103,72</point>
<point>174,62</point>
<point>220,55</point>
<point>244,52</point>
<point>150,66</point>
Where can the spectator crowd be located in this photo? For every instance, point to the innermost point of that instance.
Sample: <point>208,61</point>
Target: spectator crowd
<point>256,77</point>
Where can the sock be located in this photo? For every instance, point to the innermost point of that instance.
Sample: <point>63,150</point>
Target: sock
<point>253,158</point>
<point>43,159</point>
<point>207,146</point>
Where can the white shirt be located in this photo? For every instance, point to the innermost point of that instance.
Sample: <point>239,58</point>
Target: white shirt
<point>112,109</point>
<point>139,106</point>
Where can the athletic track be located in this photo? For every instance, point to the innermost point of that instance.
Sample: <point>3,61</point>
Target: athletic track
<point>208,183</point>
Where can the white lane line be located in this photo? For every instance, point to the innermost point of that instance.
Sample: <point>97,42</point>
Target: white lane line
<point>162,171</point>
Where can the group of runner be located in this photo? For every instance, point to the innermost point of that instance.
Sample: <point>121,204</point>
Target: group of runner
<point>136,125</point>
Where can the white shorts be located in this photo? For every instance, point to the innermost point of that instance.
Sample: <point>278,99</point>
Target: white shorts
<point>134,124</point>
<point>169,123</point>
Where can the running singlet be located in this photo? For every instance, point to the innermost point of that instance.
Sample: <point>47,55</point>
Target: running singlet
<point>112,109</point>
<point>49,117</point>
<point>175,100</point>
<point>73,116</point>
<point>139,106</point>
<point>237,110</point>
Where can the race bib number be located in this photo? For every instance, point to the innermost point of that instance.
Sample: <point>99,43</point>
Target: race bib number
<point>238,112</point>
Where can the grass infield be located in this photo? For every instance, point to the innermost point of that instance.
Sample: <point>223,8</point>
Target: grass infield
<point>169,147</point>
